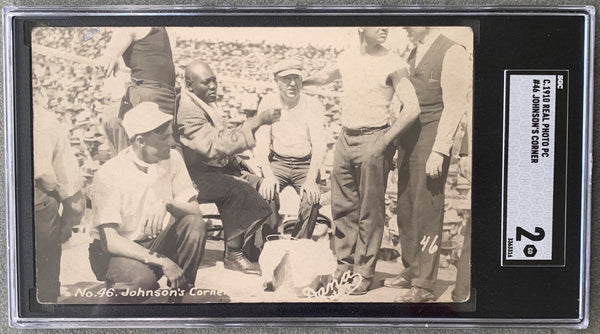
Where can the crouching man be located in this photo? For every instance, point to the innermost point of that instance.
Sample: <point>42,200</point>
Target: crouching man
<point>146,217</point>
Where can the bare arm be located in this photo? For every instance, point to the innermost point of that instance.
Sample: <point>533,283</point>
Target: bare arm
<point>121,39</point>
<point>323,77</point>
<point>73,209</point>
<point>405,92</point>
<point>319,147</point>
<point>262,150</point>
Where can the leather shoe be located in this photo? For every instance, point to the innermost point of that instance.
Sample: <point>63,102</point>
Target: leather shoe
<point>362,287</point>
<point>416,295</point>
<point>398,282</point>
<point>235,260</point>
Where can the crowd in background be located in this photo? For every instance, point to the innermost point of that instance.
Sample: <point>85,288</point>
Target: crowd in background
<point>76,92</point>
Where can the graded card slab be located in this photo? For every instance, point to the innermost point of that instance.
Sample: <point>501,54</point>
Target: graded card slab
<point>536,111</point>
<point>310,166</point>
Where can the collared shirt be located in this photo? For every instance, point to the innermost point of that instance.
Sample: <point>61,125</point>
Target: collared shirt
<point>55,167</point>
<point>366,97</point>
<point>455,81</point>
<point>298,129</point>
<point>125,187</point>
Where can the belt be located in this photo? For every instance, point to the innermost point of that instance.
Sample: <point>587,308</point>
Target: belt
<point>152,82</point>
<point>364,131</point>
<point>275,156</point>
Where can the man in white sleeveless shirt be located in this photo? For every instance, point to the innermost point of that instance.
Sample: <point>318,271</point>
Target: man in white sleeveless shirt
<point>371,75</point>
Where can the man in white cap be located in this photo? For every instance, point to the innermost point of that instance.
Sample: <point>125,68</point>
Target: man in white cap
<point>146,218</point>
<point>291,151</point>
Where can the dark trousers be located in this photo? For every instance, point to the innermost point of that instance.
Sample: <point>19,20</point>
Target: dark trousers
<point>136,93</point>
<point>358,184</point>
<point>183,242</point>
<point>242,209</point>
<point>47,246</point>
<point>420,208</point>
<point>292,172</point>
<point>462,290</point>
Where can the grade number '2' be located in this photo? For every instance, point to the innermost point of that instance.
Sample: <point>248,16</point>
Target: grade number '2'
<point>539,234</point>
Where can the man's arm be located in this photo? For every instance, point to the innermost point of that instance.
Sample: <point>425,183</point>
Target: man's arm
<point>318,149</point>
<point>73,209</point>
<point>120,41</point>
<point>455,81</point>
<point>455,78</point>
<point>197,133</point>
<point>405,92</point>
<point>117,245</point>
<point>263,149</point>
<point>181,209</point>
<point>323,77</point>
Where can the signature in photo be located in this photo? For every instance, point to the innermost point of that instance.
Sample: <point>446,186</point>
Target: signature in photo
<point>335,289</point>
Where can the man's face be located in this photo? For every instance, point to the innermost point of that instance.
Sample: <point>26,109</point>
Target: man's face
<point>416,34</point>
<point>158,144</point>
<point>375,35</point>
<point>289,86</point>
<point>204,85</point>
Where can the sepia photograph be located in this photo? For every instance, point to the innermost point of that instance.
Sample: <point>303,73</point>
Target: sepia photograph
<point>252,164</point>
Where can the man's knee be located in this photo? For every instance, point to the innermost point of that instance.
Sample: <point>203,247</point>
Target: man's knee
<point>194,225</point>
<point>146,281</point>
<point>127,274</point>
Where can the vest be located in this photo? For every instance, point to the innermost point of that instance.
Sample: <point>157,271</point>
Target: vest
<point>426,79</point>
<point>150,58</point>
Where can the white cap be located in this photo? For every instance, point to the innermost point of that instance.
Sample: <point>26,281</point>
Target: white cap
<point>143,118</point>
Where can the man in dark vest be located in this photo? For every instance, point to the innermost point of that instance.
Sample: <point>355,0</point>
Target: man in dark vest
<point>440,74</point>
<point>147,53</point>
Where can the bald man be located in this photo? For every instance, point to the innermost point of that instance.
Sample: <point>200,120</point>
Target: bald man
<point>209,150</point>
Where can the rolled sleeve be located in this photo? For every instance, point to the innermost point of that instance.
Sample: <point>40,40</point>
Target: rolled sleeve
<point>183,188</point>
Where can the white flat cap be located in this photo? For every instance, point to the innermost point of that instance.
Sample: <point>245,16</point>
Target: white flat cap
<point>143,118</point>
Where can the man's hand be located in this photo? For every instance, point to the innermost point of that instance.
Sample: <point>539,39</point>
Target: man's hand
<point>312,191</point>
<point>110,66</point>
<point>173,273</point>
<point>268,188</point>
<point>73,209</point>
<point>379,147</point>
<point>153,219</point>
<point>464,167</point>
<point>269,116</point>
<point>433,167</point>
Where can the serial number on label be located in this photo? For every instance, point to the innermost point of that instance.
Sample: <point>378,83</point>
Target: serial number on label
<point>529,167</point>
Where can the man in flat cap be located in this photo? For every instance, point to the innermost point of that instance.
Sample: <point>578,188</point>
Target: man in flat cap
<point>291,151</point>
<point>146,218</point>
<point>210,149</point>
